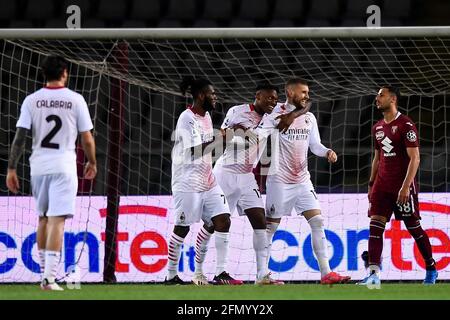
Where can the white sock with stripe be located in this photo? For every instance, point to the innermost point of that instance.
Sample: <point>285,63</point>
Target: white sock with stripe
<point>174,255</point>
<point>201,248</point>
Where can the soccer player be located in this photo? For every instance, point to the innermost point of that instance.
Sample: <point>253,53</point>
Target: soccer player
<point>392,185</point>
<point>55,115</point>
<point>234,171</point>
<point>288,183</point>
<point>196,194</point>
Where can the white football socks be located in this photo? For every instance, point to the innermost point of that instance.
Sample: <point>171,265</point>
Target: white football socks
<point>51,265</point>
<point>320,243</point>
<point>222,251</point>
<point>260,247</point>
<point>201,248</point>
<point>174,255</point>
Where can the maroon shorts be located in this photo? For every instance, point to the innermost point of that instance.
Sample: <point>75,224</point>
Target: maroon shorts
<point>384,204</point>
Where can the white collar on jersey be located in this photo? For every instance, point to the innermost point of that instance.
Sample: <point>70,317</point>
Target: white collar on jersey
<point>289,107</point>
<point>396,117</point>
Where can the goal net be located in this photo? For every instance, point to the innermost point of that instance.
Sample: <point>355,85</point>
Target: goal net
<point>130,80</point>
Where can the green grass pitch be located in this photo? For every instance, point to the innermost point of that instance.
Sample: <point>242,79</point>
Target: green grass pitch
<point>388,291</point>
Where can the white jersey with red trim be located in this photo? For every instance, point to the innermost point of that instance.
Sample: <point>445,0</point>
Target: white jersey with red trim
<point>55,115</point>
<point>289,163</point>
<point>188,174</point>
<point>240,156</point>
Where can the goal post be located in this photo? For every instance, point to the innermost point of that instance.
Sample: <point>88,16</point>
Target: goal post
<point>130,77</point>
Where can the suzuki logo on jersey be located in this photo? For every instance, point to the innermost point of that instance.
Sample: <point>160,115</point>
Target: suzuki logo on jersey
<point>387,147</point>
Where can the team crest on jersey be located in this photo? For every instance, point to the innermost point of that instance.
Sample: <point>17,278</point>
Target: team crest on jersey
<point>307,120</point>
<point>411,136</point>
<point>379,135</point>
<point>182,217</point>
<point>394,129</point>
<point>272,209</point>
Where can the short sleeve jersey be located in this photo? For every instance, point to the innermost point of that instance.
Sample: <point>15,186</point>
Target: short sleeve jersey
<point>189,174</point>
<point>241,157</point>
<point>392,140</point>
<point>55,116</point>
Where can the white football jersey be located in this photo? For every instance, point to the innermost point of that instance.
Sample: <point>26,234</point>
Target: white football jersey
<point>239,156</point>
<point>188,174</point>
<point>55,117</point>
<point>290,155</point>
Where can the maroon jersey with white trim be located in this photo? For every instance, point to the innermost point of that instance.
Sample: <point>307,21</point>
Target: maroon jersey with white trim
<point>392,140</point>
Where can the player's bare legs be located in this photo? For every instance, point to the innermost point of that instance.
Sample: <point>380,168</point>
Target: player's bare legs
<point>175,243</point>
<point>55,232</point>
<point>41,239</point>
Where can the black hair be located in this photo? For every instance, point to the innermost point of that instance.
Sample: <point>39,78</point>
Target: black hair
<point>194,86</point>
<point>294,81</point>
<point>266,86</point>
<point>393,91</point>
<point>53,67</point>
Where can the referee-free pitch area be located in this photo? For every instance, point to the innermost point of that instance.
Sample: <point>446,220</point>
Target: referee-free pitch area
<point>388,291</point>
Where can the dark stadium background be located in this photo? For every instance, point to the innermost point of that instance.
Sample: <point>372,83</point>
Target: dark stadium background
<point>237,13</point>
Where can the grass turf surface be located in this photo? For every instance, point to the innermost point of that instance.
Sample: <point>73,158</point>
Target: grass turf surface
<point>388,291</point>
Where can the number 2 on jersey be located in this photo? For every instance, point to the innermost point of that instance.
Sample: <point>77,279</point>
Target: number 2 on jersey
<point>46,141</point>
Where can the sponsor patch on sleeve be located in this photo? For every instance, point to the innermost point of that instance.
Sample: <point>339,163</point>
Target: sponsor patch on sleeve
<point>411,136</point>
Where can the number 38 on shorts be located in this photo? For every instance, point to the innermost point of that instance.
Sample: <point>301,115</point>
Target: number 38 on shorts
<point>408,209</point>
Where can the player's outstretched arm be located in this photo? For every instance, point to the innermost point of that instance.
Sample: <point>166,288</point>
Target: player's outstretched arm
<point>207,147</point>
<point>88,143</point>
<point>414,161</point>
<point>287,119</point>
<point>17,148</point>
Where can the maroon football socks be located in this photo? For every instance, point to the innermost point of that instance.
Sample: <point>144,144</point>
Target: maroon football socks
<point>376,231</point>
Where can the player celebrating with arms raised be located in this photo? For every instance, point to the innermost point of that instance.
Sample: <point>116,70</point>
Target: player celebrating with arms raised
<point>392,185</point>
<point>288,183</point>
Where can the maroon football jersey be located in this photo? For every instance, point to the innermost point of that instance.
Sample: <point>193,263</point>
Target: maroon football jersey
<point>391,140</point>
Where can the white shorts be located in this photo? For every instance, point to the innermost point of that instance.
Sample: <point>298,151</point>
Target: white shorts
<point>282,198</point>
<point>55,194</point>
<point>241,190</point>
<point>191,207</point>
